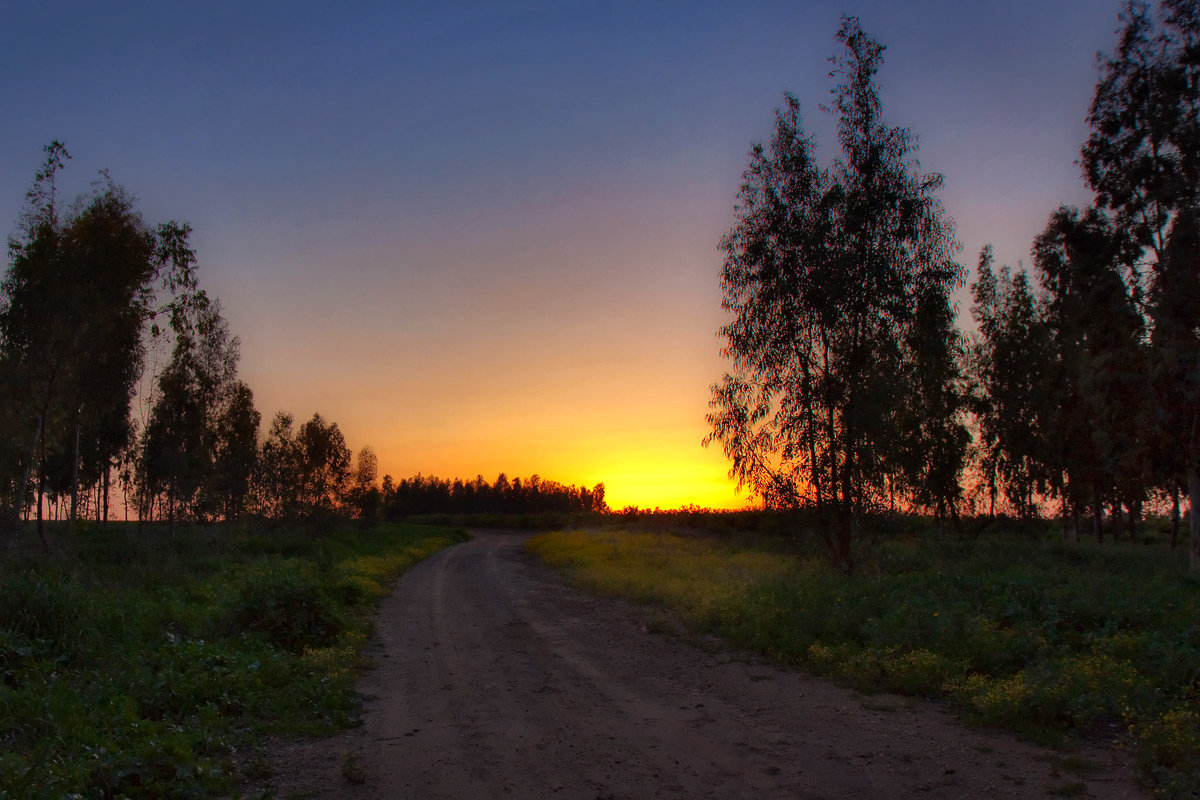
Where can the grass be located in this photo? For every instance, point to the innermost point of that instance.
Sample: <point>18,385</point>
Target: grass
<point>144,665</point>
<point>1052,641</point>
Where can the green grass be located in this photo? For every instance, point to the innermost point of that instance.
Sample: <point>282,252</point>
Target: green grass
<point>1052,641</point>
<point>145,665</point>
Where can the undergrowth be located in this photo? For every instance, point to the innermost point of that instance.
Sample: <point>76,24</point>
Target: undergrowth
<point>140,664</point>
<point>1052,641</point>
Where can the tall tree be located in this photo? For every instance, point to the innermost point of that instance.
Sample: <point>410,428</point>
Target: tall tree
<point>305,472</point>
<point>182,444</point>
<point>823,275</point>
<point>1100,378</point>
<point>365,493</point>
<point>77,296</point>
<point>1011,365</point>
<point>275,487</point>
<point>236,451</point>
<point>324,464</point>
<point>1143,161</point>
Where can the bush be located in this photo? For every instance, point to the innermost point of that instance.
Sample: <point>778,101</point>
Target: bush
<point>286,604</point>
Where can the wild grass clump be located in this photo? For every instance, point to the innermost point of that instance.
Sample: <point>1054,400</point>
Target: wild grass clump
<point>1053,641</point>
<point>144,666</point>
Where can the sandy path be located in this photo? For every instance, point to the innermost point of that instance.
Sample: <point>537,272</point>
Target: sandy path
<point>497,680</point>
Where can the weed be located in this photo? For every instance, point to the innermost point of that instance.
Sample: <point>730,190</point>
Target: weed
<point>352,770</point>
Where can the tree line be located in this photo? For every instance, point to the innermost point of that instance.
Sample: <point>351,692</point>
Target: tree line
<point>853,391</point>
<point>120,376</point>
<point>93,299</point>
<point>430,495</point>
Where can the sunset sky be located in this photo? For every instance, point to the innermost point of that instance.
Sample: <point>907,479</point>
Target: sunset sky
<point>482,237</point>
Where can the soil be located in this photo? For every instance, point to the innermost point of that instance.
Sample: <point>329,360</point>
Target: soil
<point>495,679</point>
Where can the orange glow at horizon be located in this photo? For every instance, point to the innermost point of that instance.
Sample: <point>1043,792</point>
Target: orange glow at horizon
<point>573,354</point>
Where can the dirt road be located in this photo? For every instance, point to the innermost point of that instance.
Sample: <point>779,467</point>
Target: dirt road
<point>497,680</point>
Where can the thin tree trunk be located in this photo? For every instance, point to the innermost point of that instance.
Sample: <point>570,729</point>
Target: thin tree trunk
<point>107,488</point>
<point>1063,517</point>
<point>22,502</point>
<point>1193,479</point>
<point>1175,515</point>
<point>75,477</point>
<point>41,495</point>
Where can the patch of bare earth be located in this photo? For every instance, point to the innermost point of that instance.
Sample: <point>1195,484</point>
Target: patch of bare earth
<point>495,679</point>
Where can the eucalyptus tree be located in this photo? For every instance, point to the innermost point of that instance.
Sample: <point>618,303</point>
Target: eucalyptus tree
<point>78,294</point>
<point>1143,161</point>
<point>302,472</point>
<point>1012,365</point>
<point>324,465</point>
<point>1100,377</point>
<point>236,451</point>
<point>824,275</point>
<point>182,448</point>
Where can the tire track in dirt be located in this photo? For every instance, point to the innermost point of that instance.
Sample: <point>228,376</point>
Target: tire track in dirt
<point>496,680</point>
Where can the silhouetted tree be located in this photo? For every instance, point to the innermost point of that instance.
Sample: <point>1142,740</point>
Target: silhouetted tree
<point>236,456</point>
<point>305,473</point>
<point>324,472</point>
<point>365,493</point>
<point>1012,366</point>
<point>276,480</point>
<point>182,442</point>
<point>934,438</point>
<point>824,273</point>
<point>1100,377</point>
<point>1143,161</point>
<point>77,296</point>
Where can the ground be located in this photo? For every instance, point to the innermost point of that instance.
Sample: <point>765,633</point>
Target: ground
<point>493,678</point>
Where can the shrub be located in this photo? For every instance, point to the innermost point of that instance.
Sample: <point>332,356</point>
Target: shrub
<point>285,603</point>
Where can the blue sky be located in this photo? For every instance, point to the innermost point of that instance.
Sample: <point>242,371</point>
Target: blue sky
<point>483,236</point>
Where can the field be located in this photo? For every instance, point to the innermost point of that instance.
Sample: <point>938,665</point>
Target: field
<point>1053,641</point>
<point>140,664</point>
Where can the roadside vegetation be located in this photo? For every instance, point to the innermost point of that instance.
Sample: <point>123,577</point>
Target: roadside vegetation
<point>1053,641</point>
<point>134,663</point>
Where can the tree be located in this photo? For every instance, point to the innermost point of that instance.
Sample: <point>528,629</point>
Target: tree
<point>934,439</point>
<point>305,473</point>
<point>276,480</point>
<point>236,451</point>
<point>77,296</point>
<point>1099,373</point>
<point>324,464</point>
<point>1143,161</point>
<point>364,493</point>
<point>182,448</point>
<point>823,276</point>
<point>1011,365</point>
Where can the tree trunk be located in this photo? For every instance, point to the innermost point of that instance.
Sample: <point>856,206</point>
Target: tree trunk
<point>41,495</point>
<point>75,478</point>
<point>107,486</point>
<point>1175,515</point>
<point>1193,479</point>
<point>22,503</point>
<point>992,494</point>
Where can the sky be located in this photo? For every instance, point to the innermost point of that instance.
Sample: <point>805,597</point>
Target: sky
<point>482,237</point>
